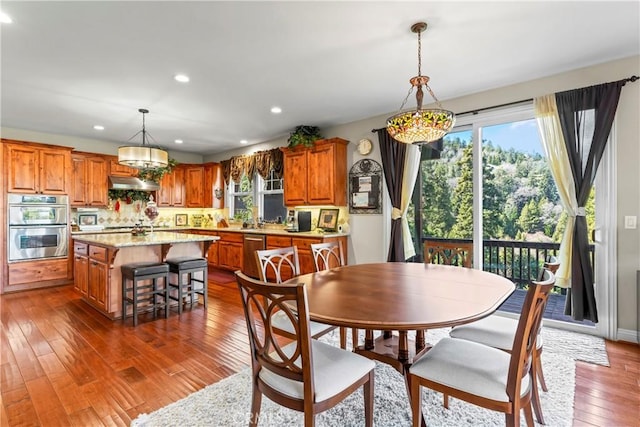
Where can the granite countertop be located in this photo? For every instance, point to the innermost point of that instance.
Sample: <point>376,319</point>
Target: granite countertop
<point>121,240</point>
<point>270,231</point>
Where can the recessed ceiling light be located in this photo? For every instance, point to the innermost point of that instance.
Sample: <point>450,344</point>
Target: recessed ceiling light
<point>178,141</point>
<point>244,141</point>
<point>276,110</point>
<point>182,78</point>
<point>98,127</point>
<point>5,19</point>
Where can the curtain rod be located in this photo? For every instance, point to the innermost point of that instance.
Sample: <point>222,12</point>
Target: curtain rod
<point>631,79</point>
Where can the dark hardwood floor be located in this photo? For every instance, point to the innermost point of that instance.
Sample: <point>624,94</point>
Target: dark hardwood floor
<point>62,363</point>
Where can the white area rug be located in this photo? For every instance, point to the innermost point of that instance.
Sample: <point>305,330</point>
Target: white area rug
<point>227,403</point>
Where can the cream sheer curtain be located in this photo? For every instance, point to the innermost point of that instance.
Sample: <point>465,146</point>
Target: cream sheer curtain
<point>555,149</point>
<point>411,168</point>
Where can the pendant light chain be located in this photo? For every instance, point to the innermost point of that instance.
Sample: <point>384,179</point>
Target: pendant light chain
<point>419,54</point>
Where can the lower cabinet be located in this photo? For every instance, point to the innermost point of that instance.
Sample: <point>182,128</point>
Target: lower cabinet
<point>81,268</point>
<point>91,274</point>
<point>26,275</point>
<point>230,251</point>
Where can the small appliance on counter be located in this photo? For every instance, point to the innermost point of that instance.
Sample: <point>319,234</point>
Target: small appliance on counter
<point>304,220</point>
<point>298,221</point>
<point>291,224</point>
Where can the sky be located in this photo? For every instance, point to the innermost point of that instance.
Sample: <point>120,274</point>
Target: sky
<point>521,136</point>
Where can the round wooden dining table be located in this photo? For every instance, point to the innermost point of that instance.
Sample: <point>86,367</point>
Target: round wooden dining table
<point>403,297</point>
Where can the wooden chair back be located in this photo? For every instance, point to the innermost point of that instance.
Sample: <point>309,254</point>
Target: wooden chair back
<point>528,328</point>
<point>450,253</point>
<point>278,265</point>
<point>327,255</point>
<point>552,264</point>
<point>260,301</point>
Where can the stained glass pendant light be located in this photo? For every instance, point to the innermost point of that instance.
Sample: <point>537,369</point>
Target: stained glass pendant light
<point>420,126</point>
<point>143,156</point>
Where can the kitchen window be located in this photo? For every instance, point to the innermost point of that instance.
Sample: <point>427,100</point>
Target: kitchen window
<point>266,196</point>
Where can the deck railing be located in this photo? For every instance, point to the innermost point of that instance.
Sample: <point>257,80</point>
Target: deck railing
<point>518,261</point>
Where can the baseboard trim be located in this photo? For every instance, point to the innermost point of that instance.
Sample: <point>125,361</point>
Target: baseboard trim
<point>628,335</point>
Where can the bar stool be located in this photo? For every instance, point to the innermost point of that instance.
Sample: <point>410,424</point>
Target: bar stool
<point>145,295</point>
<point>185,269</point>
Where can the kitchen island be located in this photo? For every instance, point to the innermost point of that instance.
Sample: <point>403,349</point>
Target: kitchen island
<point>98,258</point>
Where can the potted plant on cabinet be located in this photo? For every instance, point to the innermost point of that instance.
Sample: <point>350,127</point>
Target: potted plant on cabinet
<point>304,135</point>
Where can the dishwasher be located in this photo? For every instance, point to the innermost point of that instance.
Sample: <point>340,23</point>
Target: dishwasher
<point>251,243</point>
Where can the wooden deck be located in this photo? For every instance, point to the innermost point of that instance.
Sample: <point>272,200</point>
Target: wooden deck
<point>554,309</point>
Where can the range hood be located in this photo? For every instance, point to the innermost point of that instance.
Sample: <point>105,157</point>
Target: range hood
<point>131,183</point>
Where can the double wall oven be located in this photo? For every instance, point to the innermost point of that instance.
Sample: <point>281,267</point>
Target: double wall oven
<point>37,226</point>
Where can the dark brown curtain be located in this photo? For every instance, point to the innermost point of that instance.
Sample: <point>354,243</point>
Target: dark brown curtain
<point>226,170</point>
<point>393,153</point>
<point>262,162</point>
<point>586,116</point>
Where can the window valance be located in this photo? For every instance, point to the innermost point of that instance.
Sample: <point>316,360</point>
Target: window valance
<point>262,162</point>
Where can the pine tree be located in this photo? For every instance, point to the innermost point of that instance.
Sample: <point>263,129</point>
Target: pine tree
<point>436,200</point>
<point>462,200</point>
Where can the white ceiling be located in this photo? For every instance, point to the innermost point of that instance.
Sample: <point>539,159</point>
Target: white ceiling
<point>67,66</point>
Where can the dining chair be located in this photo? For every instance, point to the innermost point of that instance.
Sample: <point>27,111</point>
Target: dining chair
<point>276,266</point>
<point>306,375</point>
<point>499,332</point>
<point>484,375</point>
<point>326,256</point>
<point>449,253</point>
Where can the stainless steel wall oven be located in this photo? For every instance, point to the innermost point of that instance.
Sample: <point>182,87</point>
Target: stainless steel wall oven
<point>37,226</point>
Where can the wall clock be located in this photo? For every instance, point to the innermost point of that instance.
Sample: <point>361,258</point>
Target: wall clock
<point>365,146</point>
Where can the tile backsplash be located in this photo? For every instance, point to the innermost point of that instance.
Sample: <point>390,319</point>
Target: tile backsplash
<point>129,214</point>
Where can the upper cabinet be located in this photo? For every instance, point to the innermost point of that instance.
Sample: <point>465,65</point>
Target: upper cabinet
<point>172,189</point>
<point>194,193</point>
<point>37,169</point>
<point>214,186</point>
<point>316,175</point>
<point>116,169</point>
<point>89,180</point>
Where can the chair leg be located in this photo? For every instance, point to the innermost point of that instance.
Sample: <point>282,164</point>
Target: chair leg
<point>368,401</point>
<point>445,401</point>
<point>416,401</point>
<point>343,338</point>
<point>309,419</point>
<point>528,415</point>
<point>512,420</point>
<point>537,365</point>
<point>256,401</point>
<point>535,395</point>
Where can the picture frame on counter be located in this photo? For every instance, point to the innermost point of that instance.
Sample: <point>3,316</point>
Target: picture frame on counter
<point>328,219</point>
<point>87,219</point>
<point>181,219</point>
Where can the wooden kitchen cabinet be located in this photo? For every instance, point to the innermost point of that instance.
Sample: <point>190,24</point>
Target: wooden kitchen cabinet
<point>212,254</point>
<point>89,186</point>
<point>116,169</point>
<point>213,186</point>
<point>230,250</point>
<point>172,188</point>
<point>98,277</point>
<point>194,187</point>
<point>37,168</point>
<point>316,175</point>
<point>36,274</point>
<point>81,268</point>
